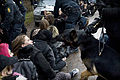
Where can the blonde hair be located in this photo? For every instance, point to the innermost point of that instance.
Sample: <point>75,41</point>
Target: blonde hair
<point>54,31</point>
<point>17,42</point>
<point>5,70</point>
<point>43,24</point>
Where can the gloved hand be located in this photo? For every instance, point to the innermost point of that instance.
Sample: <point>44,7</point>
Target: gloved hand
<point>90,29</point>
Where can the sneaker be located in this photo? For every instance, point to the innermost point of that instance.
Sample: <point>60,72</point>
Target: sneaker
<point>74,72</point>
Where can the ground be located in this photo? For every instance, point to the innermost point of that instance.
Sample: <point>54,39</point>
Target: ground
<point>74,60</point>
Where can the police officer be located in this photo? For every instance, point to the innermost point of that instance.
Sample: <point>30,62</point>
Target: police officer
<point>111,21</point>
<point>22,9</point>
<point>11,19</point>
<point>71,9</point>
<point>109,11</point>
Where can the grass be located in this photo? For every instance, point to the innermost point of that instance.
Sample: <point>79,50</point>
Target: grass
<point>29,18</point>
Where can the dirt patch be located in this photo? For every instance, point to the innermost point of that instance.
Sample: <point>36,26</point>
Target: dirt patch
<point>29,28</point>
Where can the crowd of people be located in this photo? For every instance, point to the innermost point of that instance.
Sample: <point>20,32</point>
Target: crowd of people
<point>36,58</point>
<point>41,57</point>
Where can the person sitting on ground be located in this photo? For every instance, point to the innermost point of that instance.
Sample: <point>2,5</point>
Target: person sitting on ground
<point>60,22</point>
<point>6,71</point>
<point>43,24</point>
<point>44,70</point>
<point>24,66</point>
<point>40,41</point>
<point>4,50</point>
<point>55,32</point>
<point>52,28</point>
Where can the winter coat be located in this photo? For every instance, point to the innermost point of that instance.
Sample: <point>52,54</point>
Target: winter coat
<point>46,35</point>
<point>44,70</point>
<point>71,9</point>
<point>49,55</point>
<point>46,50</point>
<point>66,6</point>
<point>26,68</point>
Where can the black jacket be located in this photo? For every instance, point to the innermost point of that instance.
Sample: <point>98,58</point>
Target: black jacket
<point>41,42</point>
<point>47,51</point>
<point>20,5</point>
<point>65,5</point>
<point>111,21</point>
<point>10,14</point>
<point>44,70</point>
<point>26,68</point>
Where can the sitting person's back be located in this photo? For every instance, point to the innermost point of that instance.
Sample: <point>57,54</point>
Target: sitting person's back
<point>25,66</point>
<point>45,72</point>
<point>40,41</point>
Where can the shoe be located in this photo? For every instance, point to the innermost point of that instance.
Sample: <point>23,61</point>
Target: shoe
<point>74,72</point>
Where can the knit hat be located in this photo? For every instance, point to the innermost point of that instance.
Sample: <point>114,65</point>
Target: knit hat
<point>6,61</point>
<point>4,49</point>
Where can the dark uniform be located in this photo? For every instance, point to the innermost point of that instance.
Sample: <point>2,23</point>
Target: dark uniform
<point>77,1</point>
<point>111,21</point>
<point>11,19</point>
<point>19,3</point>
<point>109,12</point>
<point>71,9</point>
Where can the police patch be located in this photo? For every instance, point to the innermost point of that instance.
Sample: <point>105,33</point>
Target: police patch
<point>20,2</point>
<point>8,10</point>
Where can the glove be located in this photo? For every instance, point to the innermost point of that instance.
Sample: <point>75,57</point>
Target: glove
<point>90,29</point>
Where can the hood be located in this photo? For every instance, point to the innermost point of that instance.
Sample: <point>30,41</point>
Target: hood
<point>45,35</point>
<point>25,52</point>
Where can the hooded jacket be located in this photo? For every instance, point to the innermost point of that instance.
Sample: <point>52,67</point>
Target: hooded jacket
<point>40,41</point>
<point>25,66</point>
<point>43,68</point>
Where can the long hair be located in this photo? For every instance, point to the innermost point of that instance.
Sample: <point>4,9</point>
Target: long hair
<point>6,70</point>
<point>50,19</point>
<point>43,24</point>
<point>54,31</point>
<point>17,42</point>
